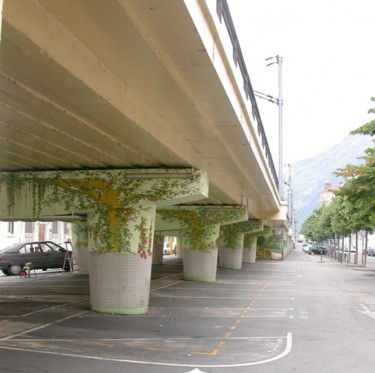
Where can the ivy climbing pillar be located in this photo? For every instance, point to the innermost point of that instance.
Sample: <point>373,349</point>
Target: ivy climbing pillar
<point>232,242</point>
<point>200,229</point>
<point>120,281</point>
<point>120,209</point>
<point>230,247</point>
<point>262,240</point>
<point>249,248</point>
<point>157,251</point>
<point>178,248</point>
<point>80,245</point>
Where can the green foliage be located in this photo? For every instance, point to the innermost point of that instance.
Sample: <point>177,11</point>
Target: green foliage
<point>200,227</point>
<point>367,128</point>
<point>353,207</point>
<point>359,188</point>
<point>310,227</point>
<point>114,201</point>
<point>232,236</point>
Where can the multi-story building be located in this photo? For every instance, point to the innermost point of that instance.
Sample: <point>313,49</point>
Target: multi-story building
<point>327,194</point>
<point>24,231</point>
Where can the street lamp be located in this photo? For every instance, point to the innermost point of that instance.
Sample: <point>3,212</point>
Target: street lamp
<point>279,102</point>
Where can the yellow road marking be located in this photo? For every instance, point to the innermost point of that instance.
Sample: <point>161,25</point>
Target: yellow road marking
<point>242,316</point>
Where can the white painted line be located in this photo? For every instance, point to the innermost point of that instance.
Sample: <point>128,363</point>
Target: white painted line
<point>231,290</point>
<point>260,298</point>
<point>227,297</point>
<point>288,348</point>
<point>41,326</point>
<point>140,339</point>
<point>167,277</point>
<point>268,317</point>
<point>272,309</point>
<point>47,309</point>
<point>165,286</point>
<point>367,312</point>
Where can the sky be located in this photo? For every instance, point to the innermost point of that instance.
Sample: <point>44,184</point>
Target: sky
<point>328,70</point>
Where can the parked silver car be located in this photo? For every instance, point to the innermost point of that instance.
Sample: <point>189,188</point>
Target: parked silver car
<point>306,247</point>
<point>42,255</point>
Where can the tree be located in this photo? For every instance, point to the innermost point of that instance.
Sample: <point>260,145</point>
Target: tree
<point>310,227</point>
<point>359,186</point>
<point>353,207</point>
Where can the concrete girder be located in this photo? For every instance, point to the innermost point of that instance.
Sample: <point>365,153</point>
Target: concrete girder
<point>232,242</point>
<point>111,198</point>
<point>200,229</point>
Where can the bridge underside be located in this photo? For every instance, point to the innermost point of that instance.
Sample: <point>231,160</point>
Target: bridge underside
<point>117,84</point>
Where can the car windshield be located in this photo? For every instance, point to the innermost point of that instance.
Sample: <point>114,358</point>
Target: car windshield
<point>51,246</point>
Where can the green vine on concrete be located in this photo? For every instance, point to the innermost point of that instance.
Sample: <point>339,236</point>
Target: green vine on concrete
<point>145,238</point>
<point>249,241</point>
<point>232,236</point>
<point>200,226</point>
<point>113,199</point>
<point>270,242</point>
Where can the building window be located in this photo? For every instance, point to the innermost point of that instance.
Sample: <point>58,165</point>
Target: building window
<point>55,227</point>
<point>29,227</point>
<point>66,228</point>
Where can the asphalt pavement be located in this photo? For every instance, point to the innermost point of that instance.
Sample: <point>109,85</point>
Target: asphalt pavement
<point>303,314</point>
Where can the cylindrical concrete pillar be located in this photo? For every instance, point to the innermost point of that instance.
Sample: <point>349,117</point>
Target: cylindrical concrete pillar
<point>230,258</point>
<point>250,249</point>
<point>199,265</point>
<point>119,283</point>
<point>157,250</point>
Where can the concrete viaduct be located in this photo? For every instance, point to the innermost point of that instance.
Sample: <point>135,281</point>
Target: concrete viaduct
<point>133,120</point>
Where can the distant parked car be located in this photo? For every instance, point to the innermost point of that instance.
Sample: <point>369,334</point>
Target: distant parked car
<point>166,248</point>
<point>371,251</point>
<point>352,249</point>
<point>42,255</point>
<point>306,247</point>
<point>317,249</point>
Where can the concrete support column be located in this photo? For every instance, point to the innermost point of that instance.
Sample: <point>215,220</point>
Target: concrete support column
<point>230,258</point>
<point>200,229</point>
<point>120,205</point>
<point>249,248</point>
<point>200,249</point>
<point>200,265</point>
<point>81,246</point>
<point>232,239</point>
<point>230,247</point>
<point>157,252</point>
<point>178,246</point>
<point>120,281</point>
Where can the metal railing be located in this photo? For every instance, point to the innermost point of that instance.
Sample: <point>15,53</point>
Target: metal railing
<point>223,12</point>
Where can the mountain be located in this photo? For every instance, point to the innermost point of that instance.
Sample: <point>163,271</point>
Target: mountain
<point>310,175</point>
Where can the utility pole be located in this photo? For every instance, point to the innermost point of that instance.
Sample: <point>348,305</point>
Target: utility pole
<point>278,101</point>
<point>281,142</point>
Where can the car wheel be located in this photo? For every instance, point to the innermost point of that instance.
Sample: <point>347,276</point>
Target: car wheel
<point>14,269</point>
<point>5,271</point>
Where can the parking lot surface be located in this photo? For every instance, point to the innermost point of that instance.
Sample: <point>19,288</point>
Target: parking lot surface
<point>257,319</point>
